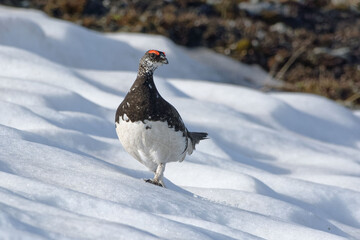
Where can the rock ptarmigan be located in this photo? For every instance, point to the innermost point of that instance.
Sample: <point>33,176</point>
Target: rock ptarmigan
<point>149,128</point>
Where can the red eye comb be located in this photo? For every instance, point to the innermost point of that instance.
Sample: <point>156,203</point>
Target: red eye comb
<point>154,51</point>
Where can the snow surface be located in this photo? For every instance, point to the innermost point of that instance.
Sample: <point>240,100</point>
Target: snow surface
<point>276,166</point>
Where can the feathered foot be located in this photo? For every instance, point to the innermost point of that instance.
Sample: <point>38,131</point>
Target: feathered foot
<point>158,176</point>
<point>155,182</point>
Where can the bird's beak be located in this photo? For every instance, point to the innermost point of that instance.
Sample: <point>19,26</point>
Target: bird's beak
<point>164,60</point>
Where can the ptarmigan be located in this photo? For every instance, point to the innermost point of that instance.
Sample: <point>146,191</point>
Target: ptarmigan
<point>149,128</point>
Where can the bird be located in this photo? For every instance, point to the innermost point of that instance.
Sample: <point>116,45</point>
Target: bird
<point>149,128</point>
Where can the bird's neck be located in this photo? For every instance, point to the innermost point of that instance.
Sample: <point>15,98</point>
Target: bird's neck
<point>147,70</point>
<point>145,79</point>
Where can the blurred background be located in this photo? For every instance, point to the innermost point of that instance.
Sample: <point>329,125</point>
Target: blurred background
<point>312,46</point>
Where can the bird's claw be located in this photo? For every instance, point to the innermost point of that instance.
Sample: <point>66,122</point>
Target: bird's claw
<point>154,182</point>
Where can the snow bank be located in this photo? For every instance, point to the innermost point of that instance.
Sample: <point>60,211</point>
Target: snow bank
<point>276,166</point>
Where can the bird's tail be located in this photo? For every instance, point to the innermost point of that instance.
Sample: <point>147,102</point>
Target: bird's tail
<point>196,137</point>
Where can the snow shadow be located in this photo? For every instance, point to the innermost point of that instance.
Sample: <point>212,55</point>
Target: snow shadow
<point>4,167</point>
<point>80,48</point>
<point>314,127</point>
<point>321,213</point>
<point>12,214</point>
<point>245,155</point>
<point>78,113</point>
<point>99,86</point>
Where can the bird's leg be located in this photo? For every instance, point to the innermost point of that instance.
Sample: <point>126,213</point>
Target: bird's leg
<point>159,174</point>
<point>158,178</point>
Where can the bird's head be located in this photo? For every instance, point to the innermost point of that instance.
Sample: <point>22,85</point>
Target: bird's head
<point>151,60</point>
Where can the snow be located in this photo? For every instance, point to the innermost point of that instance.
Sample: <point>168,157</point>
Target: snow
<point>276,166</point>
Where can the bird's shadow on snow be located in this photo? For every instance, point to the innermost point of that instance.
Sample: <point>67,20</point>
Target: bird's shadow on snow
<point>173,187</point>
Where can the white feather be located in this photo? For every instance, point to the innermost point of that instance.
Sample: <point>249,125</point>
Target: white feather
<point>152,146</point>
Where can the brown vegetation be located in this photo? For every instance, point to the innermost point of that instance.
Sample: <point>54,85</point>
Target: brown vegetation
<point>313,46</point>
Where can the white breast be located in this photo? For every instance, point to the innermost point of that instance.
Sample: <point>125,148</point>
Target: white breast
<point>151,143</point>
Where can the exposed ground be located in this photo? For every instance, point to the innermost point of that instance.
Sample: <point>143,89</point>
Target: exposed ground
<point>313,45</point>
<point>276,166</point>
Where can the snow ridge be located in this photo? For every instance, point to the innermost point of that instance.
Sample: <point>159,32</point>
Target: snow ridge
<point>276,166</point>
